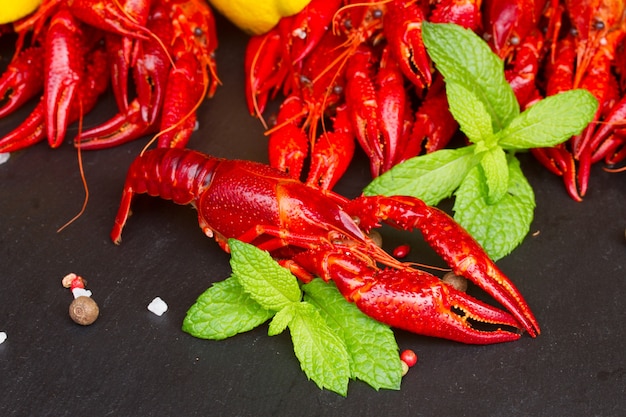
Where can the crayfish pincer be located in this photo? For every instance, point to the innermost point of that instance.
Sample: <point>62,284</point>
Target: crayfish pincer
<point>314,233</point>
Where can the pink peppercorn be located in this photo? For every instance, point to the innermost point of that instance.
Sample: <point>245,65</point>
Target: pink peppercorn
<point>409,357</point>
<point>401,251</point>
<point>72,281</point>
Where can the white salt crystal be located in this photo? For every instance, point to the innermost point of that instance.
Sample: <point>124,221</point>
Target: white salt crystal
<point>4,156</point>
<point>81,291</point>
<point>3,337</point>
<point>157,306</point>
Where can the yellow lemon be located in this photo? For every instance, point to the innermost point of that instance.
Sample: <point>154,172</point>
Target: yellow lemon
<point>256,17</point>
<point>12,10</point>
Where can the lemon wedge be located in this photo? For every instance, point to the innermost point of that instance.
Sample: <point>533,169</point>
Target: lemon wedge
<point>256,17</point>
<point>12,10</point>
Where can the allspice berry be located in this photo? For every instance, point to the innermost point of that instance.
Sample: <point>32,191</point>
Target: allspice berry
<point>457,281</point>
<point>84,310</point>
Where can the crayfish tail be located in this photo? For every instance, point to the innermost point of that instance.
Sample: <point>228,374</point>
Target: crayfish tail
<point>173,174</point>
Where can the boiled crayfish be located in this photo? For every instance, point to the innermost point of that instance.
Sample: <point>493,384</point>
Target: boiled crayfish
<point>70,49</point>
<point>368,59</point>
<point>320,233</point>
<point>591,46</point>
<point>365,59</point>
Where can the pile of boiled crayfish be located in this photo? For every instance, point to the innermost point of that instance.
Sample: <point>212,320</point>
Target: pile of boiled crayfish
<point>359,70</point>
<point>69,51</point>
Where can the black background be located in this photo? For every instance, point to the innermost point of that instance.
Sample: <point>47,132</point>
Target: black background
<point>571,269</point>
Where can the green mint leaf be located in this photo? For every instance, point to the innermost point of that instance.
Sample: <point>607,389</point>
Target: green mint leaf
<point>550,121</point>
<point>431,177</point>
<point>322,354</point>
<point>371,345</point>
<point>464,58</point>
<point>469,111</point>
<point>222,311</point>
<point>269,284</point>
<point>496,171</point>
<point>282,319</point>
<point>499,227</point>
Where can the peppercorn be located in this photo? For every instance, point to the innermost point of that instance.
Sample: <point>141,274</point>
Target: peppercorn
<point>72,281</point>
<point>457,281</point>
<point>405,367</point>
<point>409,357</point>
<point>401,251</point>
<point>376,237</point>
<point>84,310</point>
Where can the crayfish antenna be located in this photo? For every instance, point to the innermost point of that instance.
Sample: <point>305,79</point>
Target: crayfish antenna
<point>614,170</point>
<point>81,169</point>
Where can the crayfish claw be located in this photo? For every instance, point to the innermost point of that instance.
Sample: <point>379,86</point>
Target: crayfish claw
<point>410,299</point>
<point>22,80</point>
<point>403,29</point>
<point>121,128</point>
<point>64,72</point>
<point>419,302</point>
<point>453,243</point>
<point>476,320</point>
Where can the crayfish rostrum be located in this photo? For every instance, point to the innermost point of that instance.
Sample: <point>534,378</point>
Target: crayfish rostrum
<point>320,233</point>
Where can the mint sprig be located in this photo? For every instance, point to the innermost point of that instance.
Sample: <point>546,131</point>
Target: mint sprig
<point>333,340</point>
<point>490,190</point>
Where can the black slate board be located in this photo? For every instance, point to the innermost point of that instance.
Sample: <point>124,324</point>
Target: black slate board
<point>572,270</point>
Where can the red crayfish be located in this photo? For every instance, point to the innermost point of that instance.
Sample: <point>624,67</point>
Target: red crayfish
<point>314,232</point>
<point>368,60</point>
<point>590,46</point>
<point>362,59</point>
<point>71,49</point>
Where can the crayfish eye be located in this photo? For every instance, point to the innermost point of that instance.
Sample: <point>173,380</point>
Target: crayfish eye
<point>573,31</point>
<point>514,40</point>
<point>198,31</point>
<point>377,13</point>
<point>272,120</point>
<point>337,89</point>
<point>598,24</point>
